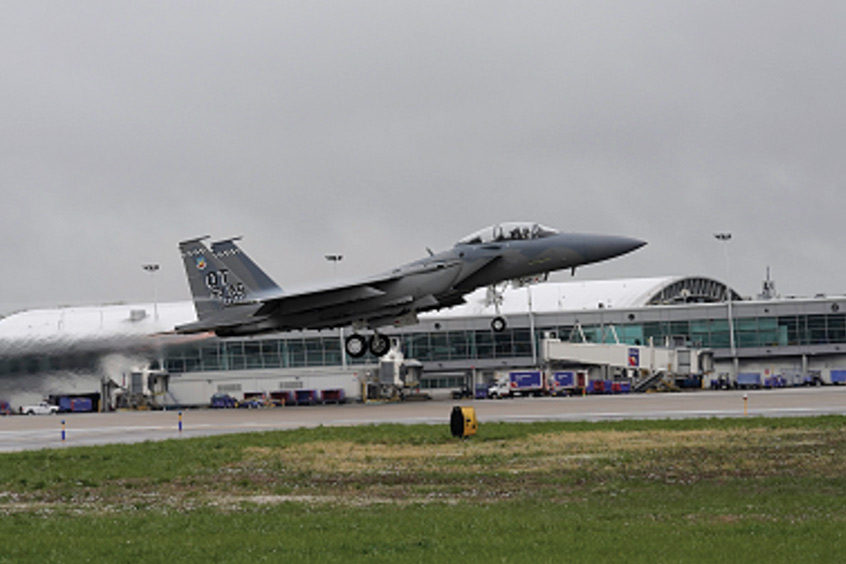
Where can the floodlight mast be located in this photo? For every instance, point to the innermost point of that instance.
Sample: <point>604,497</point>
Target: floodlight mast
<point>152,268</point>
<point>335,259</point>
<point>725,237</point>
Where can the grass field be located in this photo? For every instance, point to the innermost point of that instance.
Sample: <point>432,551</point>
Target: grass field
<point>742,490</point>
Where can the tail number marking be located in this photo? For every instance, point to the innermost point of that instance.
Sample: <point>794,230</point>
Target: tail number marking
<point>220,289</point>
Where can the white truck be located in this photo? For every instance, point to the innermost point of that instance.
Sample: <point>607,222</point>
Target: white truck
<point>500,388</point>
<point>517,383</point>
<point>40,408</point>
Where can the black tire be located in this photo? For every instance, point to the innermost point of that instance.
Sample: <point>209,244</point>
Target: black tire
<point>379,345</point>
<point>498,324</point>
<point>355,345</point>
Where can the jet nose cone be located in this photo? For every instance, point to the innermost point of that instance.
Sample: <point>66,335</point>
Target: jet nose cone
<point>602,247</point>
<point>622,245</point>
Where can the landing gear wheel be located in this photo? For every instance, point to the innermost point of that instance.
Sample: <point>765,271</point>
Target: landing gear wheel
<point>379,345</point>
<point>356,345</point>
<point>498,324</point>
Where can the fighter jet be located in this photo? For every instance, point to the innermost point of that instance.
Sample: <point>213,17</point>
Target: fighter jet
<point>233,296</point>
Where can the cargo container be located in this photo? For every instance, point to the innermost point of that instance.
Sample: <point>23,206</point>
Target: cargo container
<point>774,381</point>
<point>68,404</point>
<point>306,397</point>
<point>527,382</point>
<point>621,387</point>
<point>838,377</point>
<point>600,387</point>
<point>749,380</point>
<point>333,396</point>
<point>567,382</point>
<point>223,401</point>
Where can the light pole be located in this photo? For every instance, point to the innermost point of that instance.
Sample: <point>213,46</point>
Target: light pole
<point>725,238</point>
<point>532,326</point>
<point>335,259</point>
<point>152,269</point>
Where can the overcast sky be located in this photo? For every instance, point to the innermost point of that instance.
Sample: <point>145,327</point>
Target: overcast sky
<point>374,129</point>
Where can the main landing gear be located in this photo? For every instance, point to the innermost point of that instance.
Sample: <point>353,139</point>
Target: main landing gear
<point>357,345</point>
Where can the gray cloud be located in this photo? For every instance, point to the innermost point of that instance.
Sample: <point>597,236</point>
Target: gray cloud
<point>376,129</point>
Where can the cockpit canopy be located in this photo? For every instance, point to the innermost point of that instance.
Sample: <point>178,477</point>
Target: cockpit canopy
<point>512,231</point>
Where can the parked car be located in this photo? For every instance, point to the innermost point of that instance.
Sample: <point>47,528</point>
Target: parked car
<point>223,401</point>
<point>251,403</point>
<point>256,401</point>
<point>41,408</point>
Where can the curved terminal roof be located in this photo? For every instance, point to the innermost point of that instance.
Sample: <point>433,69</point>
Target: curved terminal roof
<point>68,325</point>
<point>628,293</point>
<point>693,289</point>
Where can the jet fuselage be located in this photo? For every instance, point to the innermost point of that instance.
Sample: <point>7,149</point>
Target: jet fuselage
<point>230,301</point>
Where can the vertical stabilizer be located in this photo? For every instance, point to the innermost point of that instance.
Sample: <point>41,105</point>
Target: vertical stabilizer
<point>257,284</point>
<point>213,285</point>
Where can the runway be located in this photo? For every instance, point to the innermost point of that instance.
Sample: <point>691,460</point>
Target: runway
<point>39,432</point>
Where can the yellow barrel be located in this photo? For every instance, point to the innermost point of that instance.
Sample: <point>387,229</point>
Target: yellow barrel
<point>463,422</point>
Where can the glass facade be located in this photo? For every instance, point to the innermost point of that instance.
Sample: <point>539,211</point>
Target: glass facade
<point>470,345</point>
<point>750,332</point>
<point>437,346</point>
<point>703,329</point>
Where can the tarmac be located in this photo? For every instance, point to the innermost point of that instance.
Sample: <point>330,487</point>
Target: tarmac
<point>20,432</point>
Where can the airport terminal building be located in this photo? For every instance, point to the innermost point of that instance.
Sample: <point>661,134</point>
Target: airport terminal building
<point>77,350</point>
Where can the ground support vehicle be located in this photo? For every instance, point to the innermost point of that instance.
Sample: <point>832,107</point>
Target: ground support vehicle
<point>306,397</point>
<point>518,383</point>
<point>749,380</point>
<point>462,393</point>
<point>499,389</point>
<point>75,405</point>
<point>567,382</point>
<point>40,408</point>
<point>223,401</point>
<point>333,396</point>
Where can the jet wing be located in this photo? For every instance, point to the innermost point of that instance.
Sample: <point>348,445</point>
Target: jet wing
<point>322,298</point>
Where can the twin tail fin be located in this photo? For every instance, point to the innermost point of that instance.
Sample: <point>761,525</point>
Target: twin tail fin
<point>222,276</point>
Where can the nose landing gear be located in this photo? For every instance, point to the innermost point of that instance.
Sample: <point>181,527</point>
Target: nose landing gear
<point>494,297</point>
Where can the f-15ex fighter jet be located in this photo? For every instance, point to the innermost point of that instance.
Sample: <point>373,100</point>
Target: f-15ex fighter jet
<point>233,296</point>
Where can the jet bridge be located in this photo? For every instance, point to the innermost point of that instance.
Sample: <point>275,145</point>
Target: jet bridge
<point>645,365</point>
